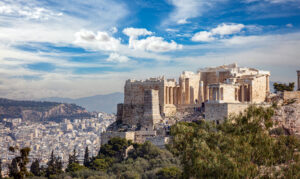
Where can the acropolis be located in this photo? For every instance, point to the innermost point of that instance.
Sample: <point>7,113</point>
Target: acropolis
<point>214,92</point>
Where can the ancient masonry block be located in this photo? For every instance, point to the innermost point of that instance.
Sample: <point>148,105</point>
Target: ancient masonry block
<point>151,109</point>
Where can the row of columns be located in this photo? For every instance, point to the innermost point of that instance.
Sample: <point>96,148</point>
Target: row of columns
<point>172,95</point>
<point>243,93</point>
<point>216,93</point>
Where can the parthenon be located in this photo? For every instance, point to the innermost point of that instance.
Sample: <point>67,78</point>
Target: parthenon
<point>223,84</point>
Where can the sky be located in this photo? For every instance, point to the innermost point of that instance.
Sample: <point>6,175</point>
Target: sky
<point>75,48</point>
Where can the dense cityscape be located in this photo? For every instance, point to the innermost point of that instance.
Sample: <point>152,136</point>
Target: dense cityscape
<point>45,137</point>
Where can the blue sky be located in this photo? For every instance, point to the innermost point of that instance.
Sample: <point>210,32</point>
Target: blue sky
<point>78,48</point>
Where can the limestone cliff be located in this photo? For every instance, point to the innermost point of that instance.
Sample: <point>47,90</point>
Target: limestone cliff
<point>36,111</point>
<point>288,117</point>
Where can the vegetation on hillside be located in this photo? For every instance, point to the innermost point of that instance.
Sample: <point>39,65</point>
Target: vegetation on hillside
<point>243,146</point>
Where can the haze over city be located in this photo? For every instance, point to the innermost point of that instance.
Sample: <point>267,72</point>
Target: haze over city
<point>55,48</point>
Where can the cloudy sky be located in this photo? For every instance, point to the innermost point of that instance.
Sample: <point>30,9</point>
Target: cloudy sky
<point>76,48</point>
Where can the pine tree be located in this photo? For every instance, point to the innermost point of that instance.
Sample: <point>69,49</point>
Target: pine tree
<point>0,168</point>
<point>13,168</point>
<point>86,157</point>
<point>54,166</point>
<point>17,168</point>
<point>35,168</point>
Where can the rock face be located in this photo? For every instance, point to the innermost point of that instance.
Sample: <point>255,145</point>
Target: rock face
<point>36,111</point>
<point>288,117</point>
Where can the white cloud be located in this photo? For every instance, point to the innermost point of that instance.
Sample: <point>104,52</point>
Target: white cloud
<point>185,9</point>
<point>136,32</point>
<point>227,29</point>
<point>115,57</point>
<point>221,30</point>
<point>152,43</point>
<point>155,44</point>
<point>182,21</point>
<point>289,25</point>
<point>203,36</point>
<point>172,30</point>
<point>99,41</point>
<point>57,22</point>
<point>29,12</point>
<point>114,30</point>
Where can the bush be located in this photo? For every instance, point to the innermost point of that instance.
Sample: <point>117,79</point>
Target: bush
<point>169,173</point>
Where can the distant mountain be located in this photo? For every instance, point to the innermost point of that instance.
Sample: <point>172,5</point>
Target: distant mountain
<point>101,103</point>
<point>41,111</point>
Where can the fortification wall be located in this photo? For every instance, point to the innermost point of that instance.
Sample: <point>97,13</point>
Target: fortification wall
<point>106,136</point>
<point>151,109</point>
<point>288,95</point>
<point>220,111</point>
<point>132,114</point>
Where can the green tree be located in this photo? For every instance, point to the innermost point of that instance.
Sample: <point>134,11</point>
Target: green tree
<point>17,168</point>
<point>0,168</point>
<point>54,166</point>
<point>72,160</point>
<point>283,87</point>
<point>169,173</point>
<point>114,148</point>
<point>35,168</point>
<point>240,147</point>
<point>86,161</point>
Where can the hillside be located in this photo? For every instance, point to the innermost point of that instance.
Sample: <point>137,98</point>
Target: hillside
<point>36,111</point>
<point>101,103</point>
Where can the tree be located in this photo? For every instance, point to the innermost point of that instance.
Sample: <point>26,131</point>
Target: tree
<point>240,147</point>
<point>35,168</point>
<point>72,160</point>
<point>54,166</point>
<point>17,168</point>
<point>283,87</point>
<point>0,168</point>
<point>114,148</point>
<point>169,173</point>
<point>86,157</point>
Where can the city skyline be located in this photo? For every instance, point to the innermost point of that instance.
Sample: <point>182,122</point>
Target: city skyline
<point>83,48</point>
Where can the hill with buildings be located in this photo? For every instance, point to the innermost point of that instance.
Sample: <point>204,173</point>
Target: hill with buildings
<point>37,111</point>
<point>101,103</point>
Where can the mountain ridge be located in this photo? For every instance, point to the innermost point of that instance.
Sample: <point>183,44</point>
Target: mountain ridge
<point>100,103</point>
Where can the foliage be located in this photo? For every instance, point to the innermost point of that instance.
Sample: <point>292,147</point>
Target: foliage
<point>86,161</point>
<point>17,168</point>
<point>75,167</point>
<point>35,168</point>
<point>169,173</point>
<point>283,87</point>
<point>114,148</point>
<point>102,164</point>
<point>54,166</point>
<point>238,148</point>
<point>0,168</point>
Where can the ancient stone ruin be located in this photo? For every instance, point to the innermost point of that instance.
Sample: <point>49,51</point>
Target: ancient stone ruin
<point>214,92</point>
<point>227,84</point>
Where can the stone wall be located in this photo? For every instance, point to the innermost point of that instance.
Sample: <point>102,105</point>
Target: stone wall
<point>151,109</point>
<point>220,111</point>
<point>259,89</point>
<point>288,95</point>
<point>106,136</point>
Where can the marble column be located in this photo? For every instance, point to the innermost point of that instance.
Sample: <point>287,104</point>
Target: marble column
<point>167,95</point>
<point>171,95</point>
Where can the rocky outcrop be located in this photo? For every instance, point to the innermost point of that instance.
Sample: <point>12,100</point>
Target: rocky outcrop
<point>287,116</point>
